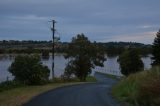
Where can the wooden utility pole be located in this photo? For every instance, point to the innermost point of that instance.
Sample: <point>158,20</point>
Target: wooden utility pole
<point>53,30</point>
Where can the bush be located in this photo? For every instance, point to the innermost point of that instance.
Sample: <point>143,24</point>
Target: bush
<point>140,89</point>
<point>29,70</point>
<point>149,89</point>
<point>45,54</point>
<point>9,85</point>
<point>130,62</point>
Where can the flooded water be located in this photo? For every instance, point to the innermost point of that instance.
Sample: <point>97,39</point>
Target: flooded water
<point>111,66</point>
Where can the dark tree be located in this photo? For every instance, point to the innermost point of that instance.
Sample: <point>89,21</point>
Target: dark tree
<point>83,56</point>
<point>29,70</point>
<point>156,50</point>
<point>2,51</point>
<point>130,62</point>
<point>45,54</point>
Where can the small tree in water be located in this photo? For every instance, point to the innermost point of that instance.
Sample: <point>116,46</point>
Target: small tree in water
<point>156,50</point>
<point>83,56</point>
<point>130,62</point>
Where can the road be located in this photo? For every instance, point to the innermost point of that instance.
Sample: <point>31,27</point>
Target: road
<point>95,94</point>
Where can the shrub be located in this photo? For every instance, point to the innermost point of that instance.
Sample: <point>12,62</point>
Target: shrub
<point>149,89</point>
<point>29,70</point>
<point>130,62</point>
<point>45,54</point>
<point>9,85</point>
<point>140,89</point>
<point>149,92</point>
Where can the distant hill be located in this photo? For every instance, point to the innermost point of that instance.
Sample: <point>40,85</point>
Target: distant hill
<point>111,48</point>
<point>125,44</point>
<point>116,48</point>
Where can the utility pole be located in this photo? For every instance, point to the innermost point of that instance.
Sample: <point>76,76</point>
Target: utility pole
<point>53,30</point>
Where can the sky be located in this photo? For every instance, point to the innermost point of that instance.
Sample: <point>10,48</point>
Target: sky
<point>99,20</point>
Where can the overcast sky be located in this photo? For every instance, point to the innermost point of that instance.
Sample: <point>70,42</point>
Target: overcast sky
<point>100,20</point>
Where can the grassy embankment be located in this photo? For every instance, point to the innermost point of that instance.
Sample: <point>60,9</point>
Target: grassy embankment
<point>17,96</point>
<point>140,89</point>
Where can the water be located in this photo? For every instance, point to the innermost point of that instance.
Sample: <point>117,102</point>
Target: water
<point>111,66</point>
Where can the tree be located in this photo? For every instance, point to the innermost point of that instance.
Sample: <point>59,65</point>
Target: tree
<point>156,50</point>
<point>29,70</point>
<point>2,51</point>
<point>83,56</point>
<point>45,54</point>
<point>130,62</point>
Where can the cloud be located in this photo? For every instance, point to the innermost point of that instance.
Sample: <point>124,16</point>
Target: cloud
<point>30,18</point>
<point>144,37</point>
<point>147,26</point>
<point>98,19</point>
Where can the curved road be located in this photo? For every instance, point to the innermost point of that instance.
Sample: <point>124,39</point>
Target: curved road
<point>95,94</point>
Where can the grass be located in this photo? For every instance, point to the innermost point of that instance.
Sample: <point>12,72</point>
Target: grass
<point>22,94</point>
<point>7,85</point>
<point>91,79</point>
<point>139,89</point>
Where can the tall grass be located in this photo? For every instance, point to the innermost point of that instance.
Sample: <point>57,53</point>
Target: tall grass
<point>7,85</point>
<point>140,89</point>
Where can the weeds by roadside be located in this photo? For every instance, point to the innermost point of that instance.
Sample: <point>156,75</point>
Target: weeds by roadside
<point>140,89</point>
<point>7,85</point>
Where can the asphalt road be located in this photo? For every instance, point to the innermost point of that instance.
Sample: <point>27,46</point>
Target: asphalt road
<point>96,94</point>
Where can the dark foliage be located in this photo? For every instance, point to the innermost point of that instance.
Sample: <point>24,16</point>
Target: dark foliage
<point>130,62</point>
<point>2,51</point>
<point>7,85</point>
<point>83,56</point>
<point>156,50</point>
<point>149,92</point>
<point>111,48</point>
<point>117,48</point>
<point>29,70</point>
<point>45,54</point>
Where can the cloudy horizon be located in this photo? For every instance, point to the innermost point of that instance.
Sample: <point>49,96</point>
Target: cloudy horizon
<point>99,20</point>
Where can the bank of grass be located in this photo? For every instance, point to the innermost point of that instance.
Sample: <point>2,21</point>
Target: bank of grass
<point>7,85</point>
<point>91,79</point>
<point>140,89</point>
<point>22,94</point>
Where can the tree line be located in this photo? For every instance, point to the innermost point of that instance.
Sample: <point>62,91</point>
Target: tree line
<point>83,56</point>
<point>110,48</point>
<point>130,60</point>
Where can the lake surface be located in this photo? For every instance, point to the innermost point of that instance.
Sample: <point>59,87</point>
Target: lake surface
<point>111,66</point>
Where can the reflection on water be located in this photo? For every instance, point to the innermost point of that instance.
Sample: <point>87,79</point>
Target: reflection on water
<point>111,66</point>
<point>59,63</point>
<point>4,64</point>
<point>147,62</point>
